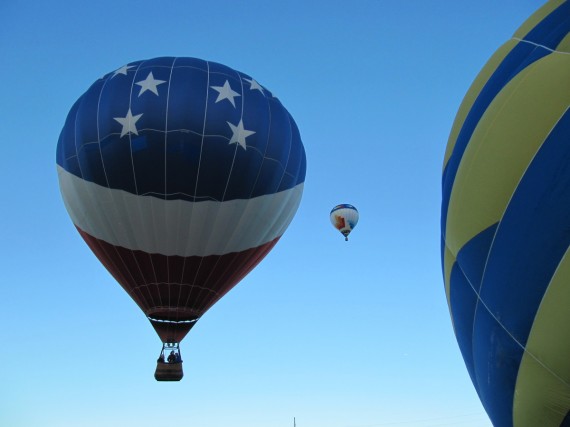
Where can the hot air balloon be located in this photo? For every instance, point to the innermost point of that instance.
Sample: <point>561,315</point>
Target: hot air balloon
<point>505,223</point>
<point>181,175</point>
<point>344,218</point>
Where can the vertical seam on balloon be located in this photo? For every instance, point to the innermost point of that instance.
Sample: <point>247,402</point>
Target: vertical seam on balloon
<point>290,149</point>
<point>211,270</point>
<point>99,133</point>
<point>485,267</point>
<point>104,170</point>
<point>490,246</point>
<point>168,284</point>
<point>146,283</point>
<point>270,117</point>
<point>286,201</point>
<point>193,284</point>
<point>237,143</point>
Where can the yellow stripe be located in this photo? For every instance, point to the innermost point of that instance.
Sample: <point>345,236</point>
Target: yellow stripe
<point>506,139</point>
<point>448,261</point>
<point>564,45</point>
<point>542,391</point>
<point>491,66</point>
<point>472,94</point>
<point>536,17</point>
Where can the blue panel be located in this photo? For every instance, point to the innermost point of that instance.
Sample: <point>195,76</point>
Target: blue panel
<point>501,77</point>
<point>496,361</point>
<point>553,28</point>
<point>566,421</point>
<point>465,282</point>
<point>473,256</point>
<point>532,237</point>
<point>177,143</point>
<point>463,300</point>
<point>549,32</point>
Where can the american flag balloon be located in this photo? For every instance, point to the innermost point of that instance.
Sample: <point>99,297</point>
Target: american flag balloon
<point>181,175</point>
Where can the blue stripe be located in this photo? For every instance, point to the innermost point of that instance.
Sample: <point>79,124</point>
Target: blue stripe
<point>496,362</point>
<point>529,243</point>
<point>465,282</point>
<point>511,65</point>
<point>182,149</point>
<point>566,421</point>
<point>553,28</point>
<point>548,32</point>
<point>463,300</point>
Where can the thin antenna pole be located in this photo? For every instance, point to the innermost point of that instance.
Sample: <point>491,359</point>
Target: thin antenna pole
<point>294,422</point>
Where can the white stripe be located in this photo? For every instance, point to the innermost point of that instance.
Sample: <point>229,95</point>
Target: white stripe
<point>156,226</point>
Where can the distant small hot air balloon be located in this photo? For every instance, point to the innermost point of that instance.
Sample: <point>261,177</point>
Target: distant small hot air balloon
<point>344,218</point>
<point>181,175</point>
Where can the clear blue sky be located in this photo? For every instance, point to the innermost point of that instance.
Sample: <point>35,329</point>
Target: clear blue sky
<point>335,334</point>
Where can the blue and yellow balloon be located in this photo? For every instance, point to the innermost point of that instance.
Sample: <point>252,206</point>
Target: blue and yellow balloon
<point>505,223</point>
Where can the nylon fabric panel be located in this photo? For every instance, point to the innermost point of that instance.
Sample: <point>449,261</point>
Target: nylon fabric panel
<point>494,86</point>
<point>564,45</point>
<point>502,146</point>
<point>533,236</point>
<point>463,301</point>
<point>163,226</point>
<point>464,287</point>
<point>542,394</point>
<point>472,94</point>
<point>537,17</point>
<point>553,28</point>
<point>519,269</point>
<point>201,121</point>
<point>202,280</point>
<point>448,263</point>
<point>507,168</point>
<point>566,422</point>
<point>496,357</point>
<point>473,257</point>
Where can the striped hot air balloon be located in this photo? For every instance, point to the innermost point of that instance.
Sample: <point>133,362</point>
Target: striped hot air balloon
<point>505,223</point>
<point>181,175</point>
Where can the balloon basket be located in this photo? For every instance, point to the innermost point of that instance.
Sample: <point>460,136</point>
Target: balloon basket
<point>168,371</point>
<point>169,366</point>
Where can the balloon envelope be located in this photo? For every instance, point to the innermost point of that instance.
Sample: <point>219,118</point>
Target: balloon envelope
<point>344,218</point>
<point>181,175</point>
<point>506,225</point>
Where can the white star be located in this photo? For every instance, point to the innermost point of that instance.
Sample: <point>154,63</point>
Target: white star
<point>123,70</point>
<point>129,123</point>
<point>254,85</point>
<point>149,84</point>
<point>239,134</point>
<point>226,92</point>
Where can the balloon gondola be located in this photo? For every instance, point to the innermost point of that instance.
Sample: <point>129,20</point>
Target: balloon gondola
<point>181,175</point>
<point>505,222</point>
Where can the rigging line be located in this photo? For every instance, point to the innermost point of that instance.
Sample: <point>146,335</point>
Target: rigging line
<point>165,206</point>
<point>264,155</point>
<point>237,143</point>
<point>215,222</point>
<point>114,195</point>
<point>216,286</point>
<point>139,260</point>
<point>478,293</point>
<point>189,241</point>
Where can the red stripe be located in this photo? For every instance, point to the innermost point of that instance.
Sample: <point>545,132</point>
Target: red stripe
<point>175,288</point>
